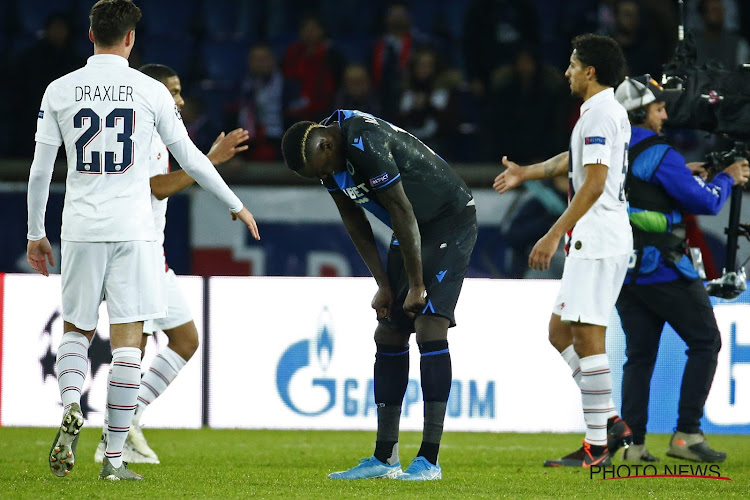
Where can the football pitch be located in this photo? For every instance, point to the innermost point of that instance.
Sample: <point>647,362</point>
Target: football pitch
<point>211,463</point>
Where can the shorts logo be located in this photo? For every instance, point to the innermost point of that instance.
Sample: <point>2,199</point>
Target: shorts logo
<point>41,114</point>
<point>594,140</point>
<point>379,180</point>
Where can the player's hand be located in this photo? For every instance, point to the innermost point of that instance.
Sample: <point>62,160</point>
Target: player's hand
<point>511,178</point>
<point>382,302</point>
<point>245,216</point>
<point>37,253</point>
<point>415,301</point>
<point>541,255</point>
<point>739,171</point>
<point>226,146</point>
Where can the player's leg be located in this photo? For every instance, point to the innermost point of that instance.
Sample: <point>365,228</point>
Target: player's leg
<point>134,290</point>
<point>83,268</point>
<point>182,333</point>
<point>391,376</point>
<point>446,252</point>
<point>695,323</point>
<point>642,327</point>
<point>587,306</point>
<point>561,339</point>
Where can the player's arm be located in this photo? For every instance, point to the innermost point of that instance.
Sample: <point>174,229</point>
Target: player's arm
<point>223,149</point>
<point>360,231</point>
<point>406,230</point>
<point>38,249</point>
<point>514,175</point>
<point>592,188</point>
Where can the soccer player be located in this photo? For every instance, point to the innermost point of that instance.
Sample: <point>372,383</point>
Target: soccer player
<point>106,113</point>
<point>368,163</point>
<point>599,240</point>
<point>178,325</point>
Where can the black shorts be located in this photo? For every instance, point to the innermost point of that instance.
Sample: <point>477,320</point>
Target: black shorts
<point>446,248</point>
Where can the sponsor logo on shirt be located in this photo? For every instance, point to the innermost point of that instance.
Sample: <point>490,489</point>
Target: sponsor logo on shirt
<point>379,180</point>
<point>594,140</point>
<point>41,114</point>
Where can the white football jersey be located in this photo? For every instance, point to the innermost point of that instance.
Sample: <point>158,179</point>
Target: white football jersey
<point>106,114</point>
<point>158,165</point>
<point>601,136</point>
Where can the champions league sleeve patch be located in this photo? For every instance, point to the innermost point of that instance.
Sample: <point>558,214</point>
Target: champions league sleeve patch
<point>381,179</point>
<point>594,140</point>
<point>41,114</point>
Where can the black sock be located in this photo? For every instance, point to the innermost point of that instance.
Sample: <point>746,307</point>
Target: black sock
<point>436,372</point>
<point>391,378</point>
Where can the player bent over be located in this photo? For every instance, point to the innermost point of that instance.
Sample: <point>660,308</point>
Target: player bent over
<point>368,163</point>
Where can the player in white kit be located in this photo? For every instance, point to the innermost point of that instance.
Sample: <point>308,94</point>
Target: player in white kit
<point>598,243</point>
<point>106,114</point>
<point>178,324</point>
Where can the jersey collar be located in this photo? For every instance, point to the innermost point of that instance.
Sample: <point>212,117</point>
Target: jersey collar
<point>601,96</point>
<point>110,59</point>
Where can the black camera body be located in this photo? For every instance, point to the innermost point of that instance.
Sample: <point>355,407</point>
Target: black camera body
<point>717,161</point>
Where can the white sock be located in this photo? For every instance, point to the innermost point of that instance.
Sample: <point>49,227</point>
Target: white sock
<point>72,366</point>
<point>155,381</point>
<point>121,399</point>
<point>106,411</point>
<point>596,396</point>
<point>571,357</point>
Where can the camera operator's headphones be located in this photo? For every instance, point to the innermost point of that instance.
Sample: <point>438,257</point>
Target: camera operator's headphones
<point>639,114</point>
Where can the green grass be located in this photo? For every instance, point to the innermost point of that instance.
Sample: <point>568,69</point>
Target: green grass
<point>293,464</point>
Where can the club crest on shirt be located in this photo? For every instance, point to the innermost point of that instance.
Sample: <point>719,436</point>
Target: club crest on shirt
<point>594,140</point>
<point>380,179</point>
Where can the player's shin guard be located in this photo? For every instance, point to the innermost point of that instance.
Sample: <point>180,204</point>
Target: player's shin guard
<point>164,369</point>
<point>72,365</point>
<point>122,395</point>
<point>436,372</point>
<point>391,378</point>
<point>596,396</point>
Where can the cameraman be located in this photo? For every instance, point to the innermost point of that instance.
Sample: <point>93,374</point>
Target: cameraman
<point>662,285</point>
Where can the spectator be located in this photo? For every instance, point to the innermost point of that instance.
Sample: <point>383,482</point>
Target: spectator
<point>629,33</point>
<point>315,65</point>
<point>518,97</point>
<point>33,69</point>
<point>200,127</point>
<point>391,55</point>
<point>356,91</point>
<point>493,32</point>
<point>267,99</point>
<point>427,107</point>
<point>714,42</point>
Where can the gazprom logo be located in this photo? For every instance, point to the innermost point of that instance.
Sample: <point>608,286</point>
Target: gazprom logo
<point>307,388</point>
<point>299,358</point>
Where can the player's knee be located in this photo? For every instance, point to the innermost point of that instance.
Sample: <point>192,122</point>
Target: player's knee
<point>385,335</point>
<point>431,328</point>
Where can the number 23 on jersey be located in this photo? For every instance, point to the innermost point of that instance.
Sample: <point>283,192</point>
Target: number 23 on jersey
<point>115,141</point>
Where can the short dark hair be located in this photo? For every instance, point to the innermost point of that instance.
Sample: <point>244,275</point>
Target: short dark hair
<point>112,19</point>
<point>604,54</point>
<point>294,144</point>
<point>158,72</point>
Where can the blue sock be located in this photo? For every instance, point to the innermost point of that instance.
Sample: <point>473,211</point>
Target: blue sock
<point>436,371</point>
<point>391,378</point>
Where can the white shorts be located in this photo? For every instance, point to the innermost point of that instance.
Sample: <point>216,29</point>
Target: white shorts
<point>124,273</point>
<point>178,312</point>
<point>589,289</point>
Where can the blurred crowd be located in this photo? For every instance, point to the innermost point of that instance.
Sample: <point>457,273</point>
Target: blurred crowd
<point>474,79</point>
